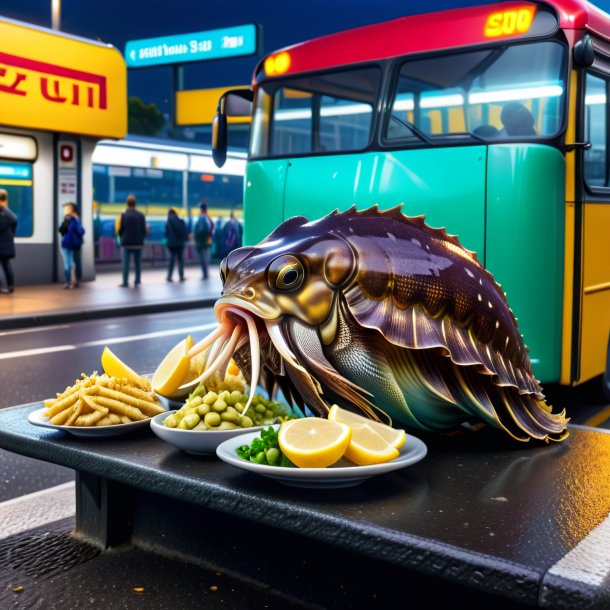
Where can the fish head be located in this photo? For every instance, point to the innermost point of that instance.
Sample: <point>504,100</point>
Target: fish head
<point>296,271</point>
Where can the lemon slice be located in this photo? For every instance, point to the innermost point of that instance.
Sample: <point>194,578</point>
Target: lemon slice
<point>114,367</point>
<point>393,437</point>
<point>173,370</point>
<point>368,447</point>
<point>312,442</point>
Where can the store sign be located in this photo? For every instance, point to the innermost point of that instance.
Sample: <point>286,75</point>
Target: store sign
<point>200,46</point>
<point>59,83</point>
<point>198,106</point>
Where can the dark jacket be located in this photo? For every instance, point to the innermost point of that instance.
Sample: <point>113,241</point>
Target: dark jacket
<point>8,226</point>
<point>203,232</point>
<point>133,228</point>
<point>72,232</point>
<point>176,232</point>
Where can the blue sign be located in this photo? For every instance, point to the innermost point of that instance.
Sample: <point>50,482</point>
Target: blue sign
<point>200,46</point>
<point>15,171</point>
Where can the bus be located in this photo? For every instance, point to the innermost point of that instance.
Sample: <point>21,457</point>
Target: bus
<point>490,120</point>
<point>162,174</point>
<point>59,95</point>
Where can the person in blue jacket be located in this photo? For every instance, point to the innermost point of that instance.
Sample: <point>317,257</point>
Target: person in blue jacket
<point>72,233</point>
<point>176,236</point>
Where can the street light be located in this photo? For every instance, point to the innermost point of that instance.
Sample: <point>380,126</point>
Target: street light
<point>56,14</point>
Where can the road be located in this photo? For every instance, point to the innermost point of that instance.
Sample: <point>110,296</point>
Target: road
<point>36,363</point>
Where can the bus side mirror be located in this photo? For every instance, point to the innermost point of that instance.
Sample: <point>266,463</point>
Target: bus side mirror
<point>583,52</point>
<point>234,103</point>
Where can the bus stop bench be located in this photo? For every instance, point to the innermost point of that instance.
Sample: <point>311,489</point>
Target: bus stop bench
<point>481,520</point>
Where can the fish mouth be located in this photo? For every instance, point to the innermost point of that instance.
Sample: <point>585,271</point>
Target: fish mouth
<point>243,323</point>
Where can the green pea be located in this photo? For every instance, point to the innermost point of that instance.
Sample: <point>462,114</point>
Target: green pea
<point>230,414</point>
<point>171,421</point>
<point>269,414</point>
<point>212,419</point>
<point>210,398</point>
<point>203,409</point>
<point>224,395</point>
<point>219,406</point>
<point>260,458</point>
<point>259,408</point>
<point>189,421</point>
<point>227,425</point>
<point>272,455</point>
<point>239,407</point>
<point>246,422</point>
<point>201,426</point>
<point>195,402</point>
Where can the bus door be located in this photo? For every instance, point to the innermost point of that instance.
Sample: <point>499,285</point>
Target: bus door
<point>591,224</point>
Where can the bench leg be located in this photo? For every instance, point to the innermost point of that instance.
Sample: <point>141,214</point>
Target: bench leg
<point>103,510</point>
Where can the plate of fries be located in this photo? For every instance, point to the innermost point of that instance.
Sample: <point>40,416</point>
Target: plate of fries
<point>100,405</point>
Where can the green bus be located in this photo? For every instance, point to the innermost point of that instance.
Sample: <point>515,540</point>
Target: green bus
<point>490,120</point>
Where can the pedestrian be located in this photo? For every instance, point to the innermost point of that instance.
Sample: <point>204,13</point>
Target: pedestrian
<point>203,235</point>
<point>131,230</point>
<point>8,226</point>
<point>72,233</point>
<point>176,235</point>
<point>232,234</point>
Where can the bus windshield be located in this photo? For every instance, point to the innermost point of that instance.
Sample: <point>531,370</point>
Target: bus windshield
<point>490,94</point>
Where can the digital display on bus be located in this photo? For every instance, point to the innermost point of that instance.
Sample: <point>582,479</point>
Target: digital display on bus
<point>519,20</point>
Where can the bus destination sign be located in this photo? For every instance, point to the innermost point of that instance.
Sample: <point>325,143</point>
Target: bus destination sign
<point>235,41</point>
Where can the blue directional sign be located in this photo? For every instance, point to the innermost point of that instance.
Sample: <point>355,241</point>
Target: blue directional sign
<point>200,46</point>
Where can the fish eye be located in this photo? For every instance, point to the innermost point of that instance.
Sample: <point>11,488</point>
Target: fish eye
<point>285,273</point>
<point>223,271</point>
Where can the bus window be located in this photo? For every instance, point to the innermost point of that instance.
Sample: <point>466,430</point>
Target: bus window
<point>16,179</point>
<point>501,92</point>
<point>596,165</point>
<point>315,114</point>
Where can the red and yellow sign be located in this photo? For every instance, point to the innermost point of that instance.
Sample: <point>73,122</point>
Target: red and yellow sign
<point>58,83</point>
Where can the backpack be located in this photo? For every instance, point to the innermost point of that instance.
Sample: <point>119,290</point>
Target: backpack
<point>203,231</point>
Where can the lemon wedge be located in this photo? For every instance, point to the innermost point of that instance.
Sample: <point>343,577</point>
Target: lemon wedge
<point>312,442</point>
<point>173,370</point>
<point>368,447</point>
<point>393,437</point>
<point>114,367</point>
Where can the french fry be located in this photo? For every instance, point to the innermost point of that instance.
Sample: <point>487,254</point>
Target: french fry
<point>60,405</point>
<point>62,417</point>
<point>76,409</point>
<point>125,419</point>
<point>145,406</point>
<point>90,419</point>
<point>122,409</point>
<point>90,402</point>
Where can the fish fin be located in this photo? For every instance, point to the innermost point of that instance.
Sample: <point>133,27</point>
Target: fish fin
<point>413,328</point>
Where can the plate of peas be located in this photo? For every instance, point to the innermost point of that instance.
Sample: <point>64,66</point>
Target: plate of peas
<point>209,418</point>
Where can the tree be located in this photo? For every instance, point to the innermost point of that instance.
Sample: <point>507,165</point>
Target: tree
<point>144,119</point>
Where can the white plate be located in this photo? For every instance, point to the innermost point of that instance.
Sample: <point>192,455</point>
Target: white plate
<point>342,474</point>
<point>38,418</point>
<point>197,442</point>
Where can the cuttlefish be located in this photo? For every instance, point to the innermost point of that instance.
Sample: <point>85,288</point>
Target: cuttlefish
<point>381,313</point>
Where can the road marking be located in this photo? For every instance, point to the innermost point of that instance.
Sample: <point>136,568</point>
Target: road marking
<point>37,329</point>
<point>37,509</point>
<point>599,418</point>
<point>589,561</point>
<point>109,341</point>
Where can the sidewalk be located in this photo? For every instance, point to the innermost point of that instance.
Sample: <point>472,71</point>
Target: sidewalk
<point>103,298</point>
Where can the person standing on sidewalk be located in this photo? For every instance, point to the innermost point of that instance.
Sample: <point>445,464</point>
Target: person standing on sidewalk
<point>72,239</point>
<point>176,235</point>
<point>131,230</point>
<point>203,234</point>
<point>8,226</point>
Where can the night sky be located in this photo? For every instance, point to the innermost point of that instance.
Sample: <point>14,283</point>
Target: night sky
<point>283,23</point>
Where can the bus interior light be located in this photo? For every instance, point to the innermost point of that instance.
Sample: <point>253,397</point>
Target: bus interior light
<point>508,95</point>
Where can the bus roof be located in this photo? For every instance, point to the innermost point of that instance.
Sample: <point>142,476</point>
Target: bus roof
<point>427,32</point>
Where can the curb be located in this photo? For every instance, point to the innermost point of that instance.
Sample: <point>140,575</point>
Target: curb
<point>47,319</point>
